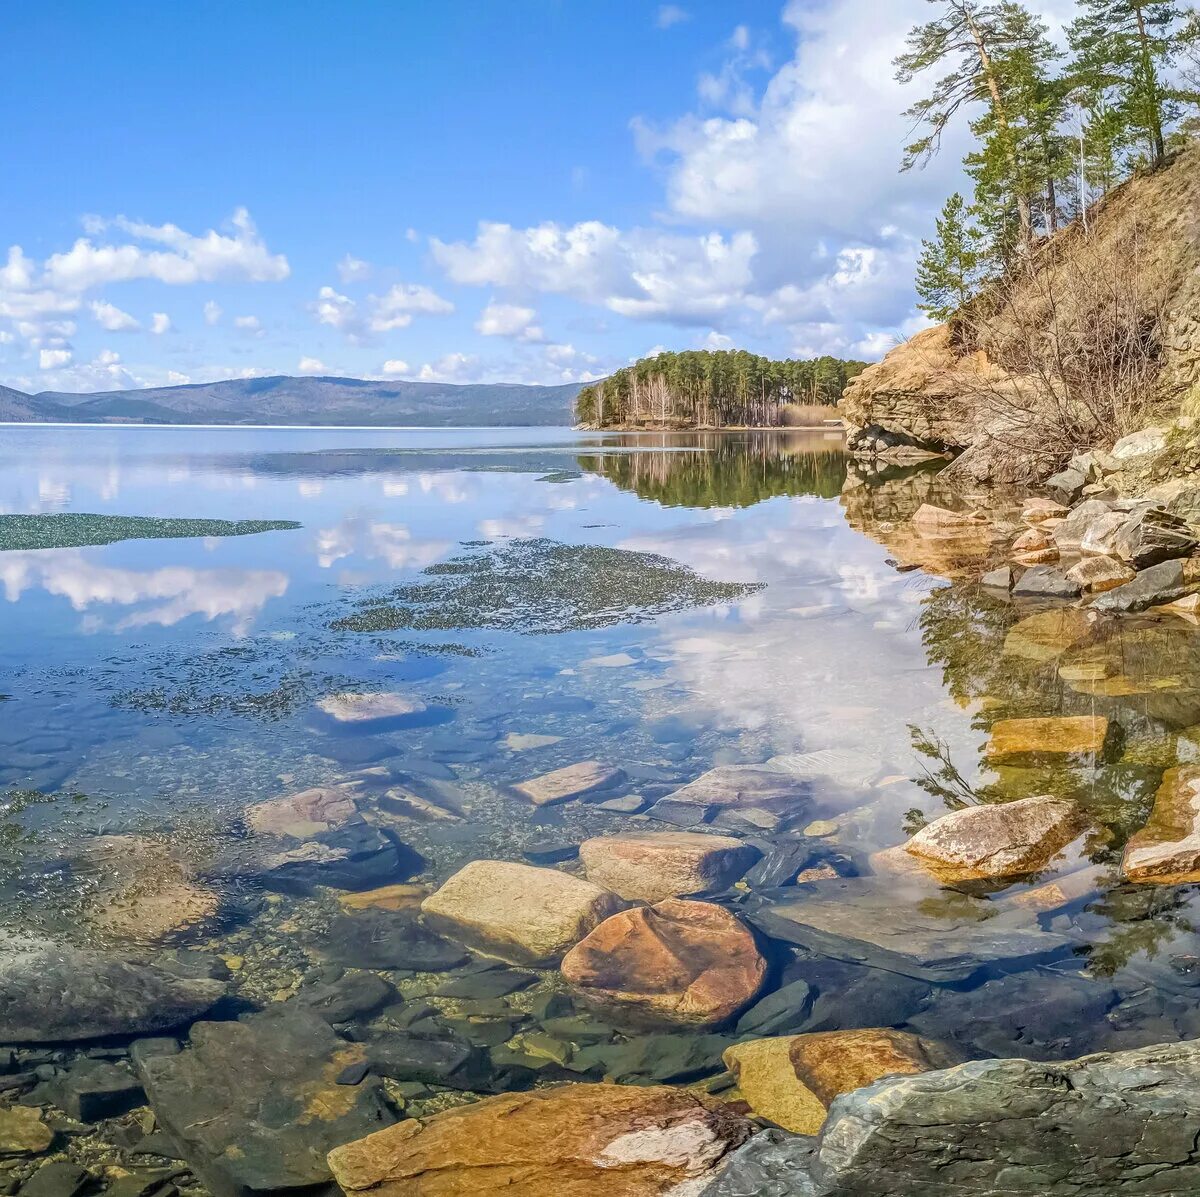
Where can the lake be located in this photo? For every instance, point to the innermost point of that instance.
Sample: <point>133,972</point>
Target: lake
<point>517,602</point>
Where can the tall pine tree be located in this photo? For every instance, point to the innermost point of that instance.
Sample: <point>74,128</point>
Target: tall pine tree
<point>1125,49</point>
<point>951,266</point>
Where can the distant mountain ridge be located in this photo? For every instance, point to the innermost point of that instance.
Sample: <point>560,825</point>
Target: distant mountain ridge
<point>282,399</point>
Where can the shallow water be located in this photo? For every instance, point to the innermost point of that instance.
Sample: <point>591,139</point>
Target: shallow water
<point>660,604</point>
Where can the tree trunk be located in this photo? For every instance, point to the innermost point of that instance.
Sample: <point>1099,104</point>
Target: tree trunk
<point>1158,149</point>
<point>985,62</point>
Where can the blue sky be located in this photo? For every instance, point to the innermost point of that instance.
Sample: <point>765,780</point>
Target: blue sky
<point>535,190</point>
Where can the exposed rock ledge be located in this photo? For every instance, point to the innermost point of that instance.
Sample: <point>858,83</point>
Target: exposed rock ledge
<point>1122,1122</point>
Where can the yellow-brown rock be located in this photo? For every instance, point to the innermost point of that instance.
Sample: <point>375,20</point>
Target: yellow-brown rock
<point>1094,575</point>
<point>386,897</point>
<point>929,520</point>
<point>1038,511</point>
<point>791,1080</point>
<point>665,864</point>
<point>997,840</point>
<point>303,815</point>
<point>1167,849</point>
<point>680,962</point>
<point>143,893</point>
<point>519,913</point>
<point>1034,546</point>
<point>567,1141</point>
<point>572,781</point>
<point>1050,737</point>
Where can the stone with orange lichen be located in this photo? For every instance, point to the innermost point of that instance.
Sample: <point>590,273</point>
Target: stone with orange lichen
<point>575,1140</point>
<point>678,962</point>
<point>791,1080</point>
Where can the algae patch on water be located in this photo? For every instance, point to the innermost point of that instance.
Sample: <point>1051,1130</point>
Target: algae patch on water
<point>75,530</point>
<point>542,586</point>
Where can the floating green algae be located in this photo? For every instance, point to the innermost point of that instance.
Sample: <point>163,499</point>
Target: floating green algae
<point>542,586</point>
<point>75,530</point>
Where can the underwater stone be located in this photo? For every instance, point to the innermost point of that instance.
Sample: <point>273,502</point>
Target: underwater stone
<point>677,962</point>
<point>863,921</point>
<point>51,993</point>
<point>665,864</point>
<point>1051,737</point>
<point>359,709</point>
<point>22,1132</point>
<point>742,797</point>
<point>572,781</point>
<point>519,913</point>
<point>254,1105</point>
<point>386,939</point>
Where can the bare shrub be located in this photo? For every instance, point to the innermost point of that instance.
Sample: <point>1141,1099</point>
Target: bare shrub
<point>1077,332</point>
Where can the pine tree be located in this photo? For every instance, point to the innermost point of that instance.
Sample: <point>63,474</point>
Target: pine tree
<point>1125,49</point>
<point>971,36</point>
<point>950,267</point>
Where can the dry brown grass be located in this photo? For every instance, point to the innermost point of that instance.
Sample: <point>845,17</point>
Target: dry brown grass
<point>806,415</point>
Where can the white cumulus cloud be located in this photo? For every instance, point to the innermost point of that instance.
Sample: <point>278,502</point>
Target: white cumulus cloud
<point>312,365</point>
<point>160,323</point>
<point>111,318</point>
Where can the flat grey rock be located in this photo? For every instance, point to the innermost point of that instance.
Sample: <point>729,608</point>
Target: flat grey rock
<point>52,993</point>
<point>1045,581</point>
<point>868,923</point>
<point>740,797</point>
<point>1162,583</point>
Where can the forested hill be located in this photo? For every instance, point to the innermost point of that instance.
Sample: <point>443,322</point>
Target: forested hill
<point>714,389</point>
<point>285,400</point>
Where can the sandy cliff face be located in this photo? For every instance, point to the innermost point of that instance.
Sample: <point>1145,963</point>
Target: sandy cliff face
<point>978,387</point>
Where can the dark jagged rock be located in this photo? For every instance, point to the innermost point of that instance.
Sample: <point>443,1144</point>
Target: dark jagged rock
<point>1162,583</point>
<point>95,1089</point>
<point>660,1058</point>
<point>356,995</point>
<point>1153,535</point>
<point>448,1061</point>
<point>254,1106</point>
<point>390,940</point>
<point>58,1178</point>
<point>780,1013</point>
<point>1045,581</point>
<point>1122,1122</point>
<point>50,993</point>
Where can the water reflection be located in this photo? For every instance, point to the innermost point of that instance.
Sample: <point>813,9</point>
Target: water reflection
<point>833,647</point>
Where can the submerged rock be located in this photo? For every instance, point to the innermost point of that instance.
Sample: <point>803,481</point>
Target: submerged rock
<point>1046,634</point>
<point>379,937</point>
<point>1016,741</point>
<point>573,781</point>
<point>999,840</point>
<point>791,1080</point>
<point>51,993</point>
<point>22,1132</point>
<point>675,962</point>
<point>1121,1122</point>
<point>740,797</point>
<point>865,922</point>
<point>1167,849</point>
<point>253,1106</point>
<point>940,521</point>
<point>305,814</point>
<point>362,709</point>
<point>521,914</point>
<point>665,864</point>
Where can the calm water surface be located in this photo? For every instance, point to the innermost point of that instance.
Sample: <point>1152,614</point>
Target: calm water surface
<point>158,689</point>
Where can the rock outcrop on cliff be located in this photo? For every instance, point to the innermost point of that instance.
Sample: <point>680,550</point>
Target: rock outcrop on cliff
<point>1095,336</point>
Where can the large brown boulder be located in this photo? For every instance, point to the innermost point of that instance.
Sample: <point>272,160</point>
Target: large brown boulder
<point>792,1080</point>
<point>665,864</point>
<point>519,913</point>
<point>997,840</point>
<point>565,1141</point>
<point>1167,849</point>
<point>690,963</point>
